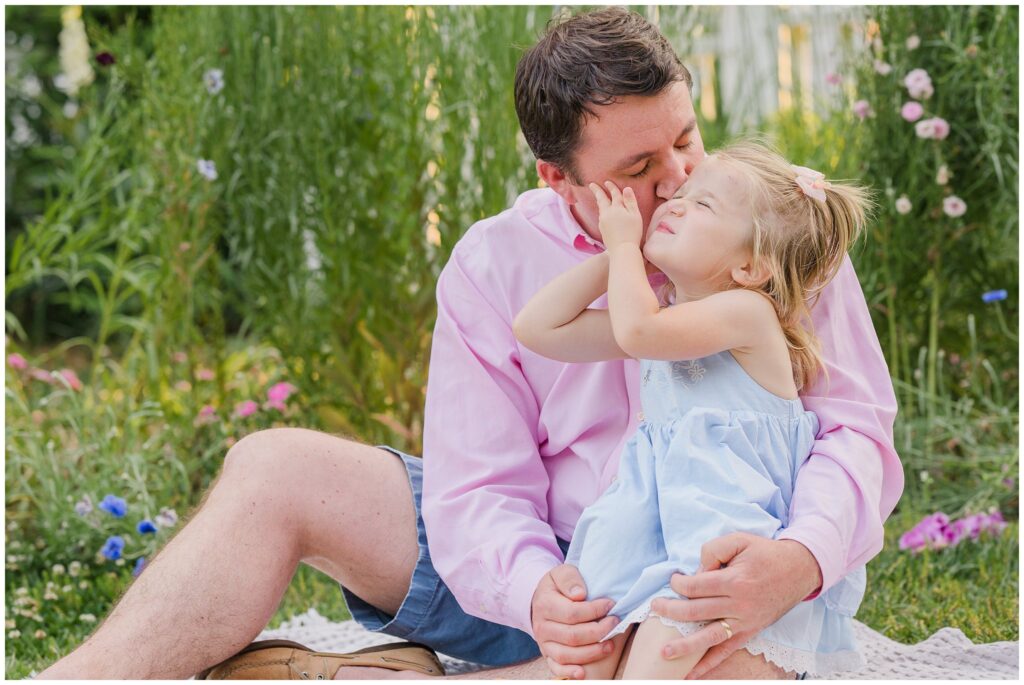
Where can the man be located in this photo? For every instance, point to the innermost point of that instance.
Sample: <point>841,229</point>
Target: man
<point>515,445</point>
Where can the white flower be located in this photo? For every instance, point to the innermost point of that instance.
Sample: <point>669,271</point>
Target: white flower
<point>903,204</point>
<point>166,518</point>
<point>58,569</point>
<point>943,175</point>
<point>925,128</point>
<point>86,618</point>
<point>208,169</point>
<point>14,635</point>
<point>74,52</point>
<point>214,80</point>
<point>913,42</point>
<point>882,68</point>
<point>954,206</point>
<point>73,568</point>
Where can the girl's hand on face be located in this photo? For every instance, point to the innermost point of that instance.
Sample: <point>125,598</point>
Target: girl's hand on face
<point>620,222</point>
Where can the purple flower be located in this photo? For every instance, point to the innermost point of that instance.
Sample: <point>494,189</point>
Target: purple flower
<point>207,168</point>
<point>112,548</point>
<point>214,80</point>
<point>105,59</point>
<point>140,564</point>
<point>993,296</point>
<point>914,540</point>
<point>146,526</point>
<point>115,506</point>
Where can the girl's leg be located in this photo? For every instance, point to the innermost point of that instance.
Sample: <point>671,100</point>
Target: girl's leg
<point>606,667</point>
<point>645,661</point>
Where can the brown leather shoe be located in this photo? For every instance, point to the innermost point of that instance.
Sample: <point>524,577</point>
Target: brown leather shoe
<point>286,660</point>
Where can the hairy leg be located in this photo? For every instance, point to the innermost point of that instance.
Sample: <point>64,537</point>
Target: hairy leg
<point>283,496</point>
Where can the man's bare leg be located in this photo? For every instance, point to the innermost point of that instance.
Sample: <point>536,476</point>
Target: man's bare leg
<point>283,496</point>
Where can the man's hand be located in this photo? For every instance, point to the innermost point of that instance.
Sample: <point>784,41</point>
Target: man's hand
<point>568,628</point>
<point>761,580</point>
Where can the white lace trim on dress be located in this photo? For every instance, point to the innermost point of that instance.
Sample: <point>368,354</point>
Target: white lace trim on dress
<point>786,658</point>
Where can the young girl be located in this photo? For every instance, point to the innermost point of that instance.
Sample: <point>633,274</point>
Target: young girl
<point>745,243</point>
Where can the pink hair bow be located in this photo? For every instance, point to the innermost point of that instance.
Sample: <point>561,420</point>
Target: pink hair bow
<point>811,182</point>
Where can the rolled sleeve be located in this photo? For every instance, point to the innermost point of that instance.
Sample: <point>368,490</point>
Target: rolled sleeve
<point>853,477</point>
<point>485,486</point>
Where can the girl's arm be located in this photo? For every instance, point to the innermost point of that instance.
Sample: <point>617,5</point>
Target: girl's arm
<point>557,324</point>
<point>733,319</point>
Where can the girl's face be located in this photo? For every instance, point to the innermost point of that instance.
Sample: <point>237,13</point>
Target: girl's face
<point>705,232</point>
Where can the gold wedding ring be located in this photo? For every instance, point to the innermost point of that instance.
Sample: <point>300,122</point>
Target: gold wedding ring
<point>728,630</point>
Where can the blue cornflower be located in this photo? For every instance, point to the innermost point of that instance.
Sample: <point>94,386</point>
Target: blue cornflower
<point>146,526</point>
<point>115,506</point>
<point>112,549</point>
<point>993,296</point>
<point>140,564</point>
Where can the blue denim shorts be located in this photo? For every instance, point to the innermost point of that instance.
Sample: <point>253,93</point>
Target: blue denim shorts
<point>431,616</point>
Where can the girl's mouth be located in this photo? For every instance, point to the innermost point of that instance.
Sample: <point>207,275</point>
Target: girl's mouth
<point>665,228</point>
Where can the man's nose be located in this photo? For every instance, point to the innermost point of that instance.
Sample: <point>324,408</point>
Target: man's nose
<point>674,178</point>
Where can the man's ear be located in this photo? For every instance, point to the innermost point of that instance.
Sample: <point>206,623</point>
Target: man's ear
<point>556,180</point>
<point>752,273</point>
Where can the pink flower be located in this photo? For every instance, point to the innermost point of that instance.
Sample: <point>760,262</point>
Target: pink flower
<point>913,42</point>
<point>71,378</point>
<point>247,408</point>
<point>183,386</point>
<point>862,108</point>
<point>935,128</point>
<point>954,206</point>
<point>208,414</point>
<point>41,375</point>
<point>833,79</point>
<point>204,374</point>
<point>280,392</point>
<point>179,357</point>
<point>919,84</point>
<point>16,361</point>
<point>912,111</point>
<point>882,68</point>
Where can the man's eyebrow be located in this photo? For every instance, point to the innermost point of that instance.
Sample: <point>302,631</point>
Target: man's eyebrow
<point>633,159</point>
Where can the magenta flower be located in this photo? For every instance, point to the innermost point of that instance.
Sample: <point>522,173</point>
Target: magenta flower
<point>16,361</point>
<point>41,375</point>
<point>208,414</point>
<point>204,374</point>
<point>954,206</point>
<point>71,378</point>
<point>912,111</point>
<point>833,79</point>
<point>862,108</point>
<point>280,392</point>
<point>179,357</point>
<point>247,408</point>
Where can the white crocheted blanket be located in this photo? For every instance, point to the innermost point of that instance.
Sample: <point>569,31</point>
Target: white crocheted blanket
<point>946,655</point>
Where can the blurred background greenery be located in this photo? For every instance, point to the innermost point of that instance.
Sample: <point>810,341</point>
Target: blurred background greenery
<point>352,147</point>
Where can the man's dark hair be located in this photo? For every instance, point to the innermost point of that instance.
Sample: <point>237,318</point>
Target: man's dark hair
<point>586,60</point>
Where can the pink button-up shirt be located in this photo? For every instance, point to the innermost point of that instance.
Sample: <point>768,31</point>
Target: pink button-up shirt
<point>517,445</point>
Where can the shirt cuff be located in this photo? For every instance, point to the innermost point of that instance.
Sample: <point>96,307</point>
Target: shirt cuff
<point>819,537</point>
<point>523,583</point>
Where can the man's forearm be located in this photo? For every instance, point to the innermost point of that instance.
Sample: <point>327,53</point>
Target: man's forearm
<point>806,571</point>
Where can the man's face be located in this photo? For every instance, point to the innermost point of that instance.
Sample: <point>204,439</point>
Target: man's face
<point>650,144</point>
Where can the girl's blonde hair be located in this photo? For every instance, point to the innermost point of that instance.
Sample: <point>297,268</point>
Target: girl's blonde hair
<point>800,241</point>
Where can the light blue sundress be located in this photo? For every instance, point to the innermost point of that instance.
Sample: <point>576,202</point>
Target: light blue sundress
<point>715,453</point>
